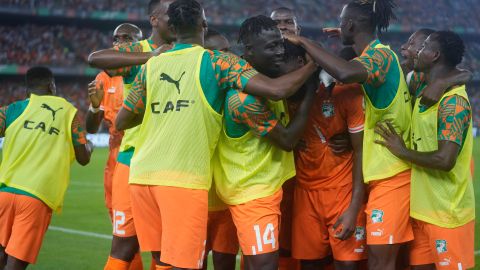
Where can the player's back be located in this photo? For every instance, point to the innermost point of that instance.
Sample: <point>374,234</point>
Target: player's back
<point>38,149</point>
<point>340,112</point>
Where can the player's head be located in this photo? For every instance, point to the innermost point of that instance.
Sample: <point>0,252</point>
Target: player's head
<point>40,80</point>
<point>216,41</point>
<point>263,43</point>
<point>126,33</point>
<point>365,16</point>
<point>286,21</point>
<point>157,11</point>
<point>444,48</point>
<point>413,45</point>
<point>187,19</point>
<point>295,58</point>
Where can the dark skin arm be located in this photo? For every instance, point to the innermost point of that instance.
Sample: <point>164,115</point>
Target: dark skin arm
<point>95,95</point>
<point>435,90</point>
<point>287,137</point>
<point>342,70</point>
<point>111,59</point>
<point>348,219</point>
<point>443,159</point>
<point>127,119</point>
<point>83,153</point>
<point>281,87</point>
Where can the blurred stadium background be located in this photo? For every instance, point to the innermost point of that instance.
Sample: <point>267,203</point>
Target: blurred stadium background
<point>61,34</point>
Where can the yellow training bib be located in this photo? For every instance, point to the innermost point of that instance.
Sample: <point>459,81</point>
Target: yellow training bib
<point>378,162</point>
<point>248,168</point>
<point>445,199</point>
<point>128,140</point>
<point>38,150</point>
<point>180,129</point>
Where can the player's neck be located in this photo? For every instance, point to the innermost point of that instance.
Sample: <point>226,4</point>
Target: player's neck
<point>194,38</point>
<point>157,39</point>
<point>361,42</point>
<point>39,92</point>
<point>436,72</point>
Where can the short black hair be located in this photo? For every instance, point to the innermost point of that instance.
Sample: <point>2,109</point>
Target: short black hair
<point>451,46</point>
<point>184,14</point>
<point>38,78</point>
<point>425,31</point>
<point>254,26</point>
<point>293,52</point>
<point>284,9</point>
<point>376,13</point>
<point>152,5</point>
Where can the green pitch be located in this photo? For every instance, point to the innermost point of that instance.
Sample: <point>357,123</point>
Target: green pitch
<point>78,238</point>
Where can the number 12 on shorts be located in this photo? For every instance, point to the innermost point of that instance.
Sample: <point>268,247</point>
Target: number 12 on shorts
<point>268,238</point>
<point>118,220</point>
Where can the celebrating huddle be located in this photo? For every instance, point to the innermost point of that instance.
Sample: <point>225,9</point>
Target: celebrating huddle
<point>297,157</point>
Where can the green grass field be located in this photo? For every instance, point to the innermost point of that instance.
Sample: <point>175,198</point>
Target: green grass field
<point>78,238</point>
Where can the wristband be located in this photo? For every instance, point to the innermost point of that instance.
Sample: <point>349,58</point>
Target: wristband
<point>93,110</point>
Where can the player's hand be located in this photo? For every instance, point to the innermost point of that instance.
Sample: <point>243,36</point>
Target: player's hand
<point>432,94</point>
<point>332,32</point>
<point>340,143</point>
<point>294,39</point>
<point>345,225</point>
<point>162,49</point>
<point>301,145</point>
<point>391,139</point>
<point>95,93</point>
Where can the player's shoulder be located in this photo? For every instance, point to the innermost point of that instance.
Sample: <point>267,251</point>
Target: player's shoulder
<point>352,90</point>
<point>237,99</point>
<point>225,57</point>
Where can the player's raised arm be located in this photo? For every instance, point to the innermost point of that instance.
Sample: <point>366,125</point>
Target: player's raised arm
<point>340,69</point>
<point>95,113</point>
<point>131,114</point>
<point>281,87</point>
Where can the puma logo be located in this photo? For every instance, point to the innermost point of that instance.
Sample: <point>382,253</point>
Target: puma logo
<point>167,78</point>
<point>46,107</point>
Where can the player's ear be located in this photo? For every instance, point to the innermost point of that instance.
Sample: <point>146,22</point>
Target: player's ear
<point>53,87</point>
<point>153,21</point>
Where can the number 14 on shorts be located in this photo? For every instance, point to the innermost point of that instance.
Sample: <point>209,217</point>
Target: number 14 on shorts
<point>267,238</point>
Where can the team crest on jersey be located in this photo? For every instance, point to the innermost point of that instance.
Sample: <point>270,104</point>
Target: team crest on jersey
<point>377,216</point>
<point>328,109</point>
<point>360,233</point>
<point>441,246</point>
<point>111,90</point>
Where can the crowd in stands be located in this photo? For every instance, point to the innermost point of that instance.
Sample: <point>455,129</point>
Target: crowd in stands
<point>30,44</point>
<point>75,92</point>
<point>66,46</point>
<point>453,14</point>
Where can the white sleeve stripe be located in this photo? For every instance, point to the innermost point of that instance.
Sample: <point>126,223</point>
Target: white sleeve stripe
<point>356,129</point>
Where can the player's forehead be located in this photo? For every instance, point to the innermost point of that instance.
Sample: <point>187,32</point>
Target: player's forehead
<point>282,16</point>
<point>268,36</point>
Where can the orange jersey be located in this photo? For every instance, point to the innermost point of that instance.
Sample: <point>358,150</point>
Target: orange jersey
<point>341,112</point>
<point>111,104</point>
